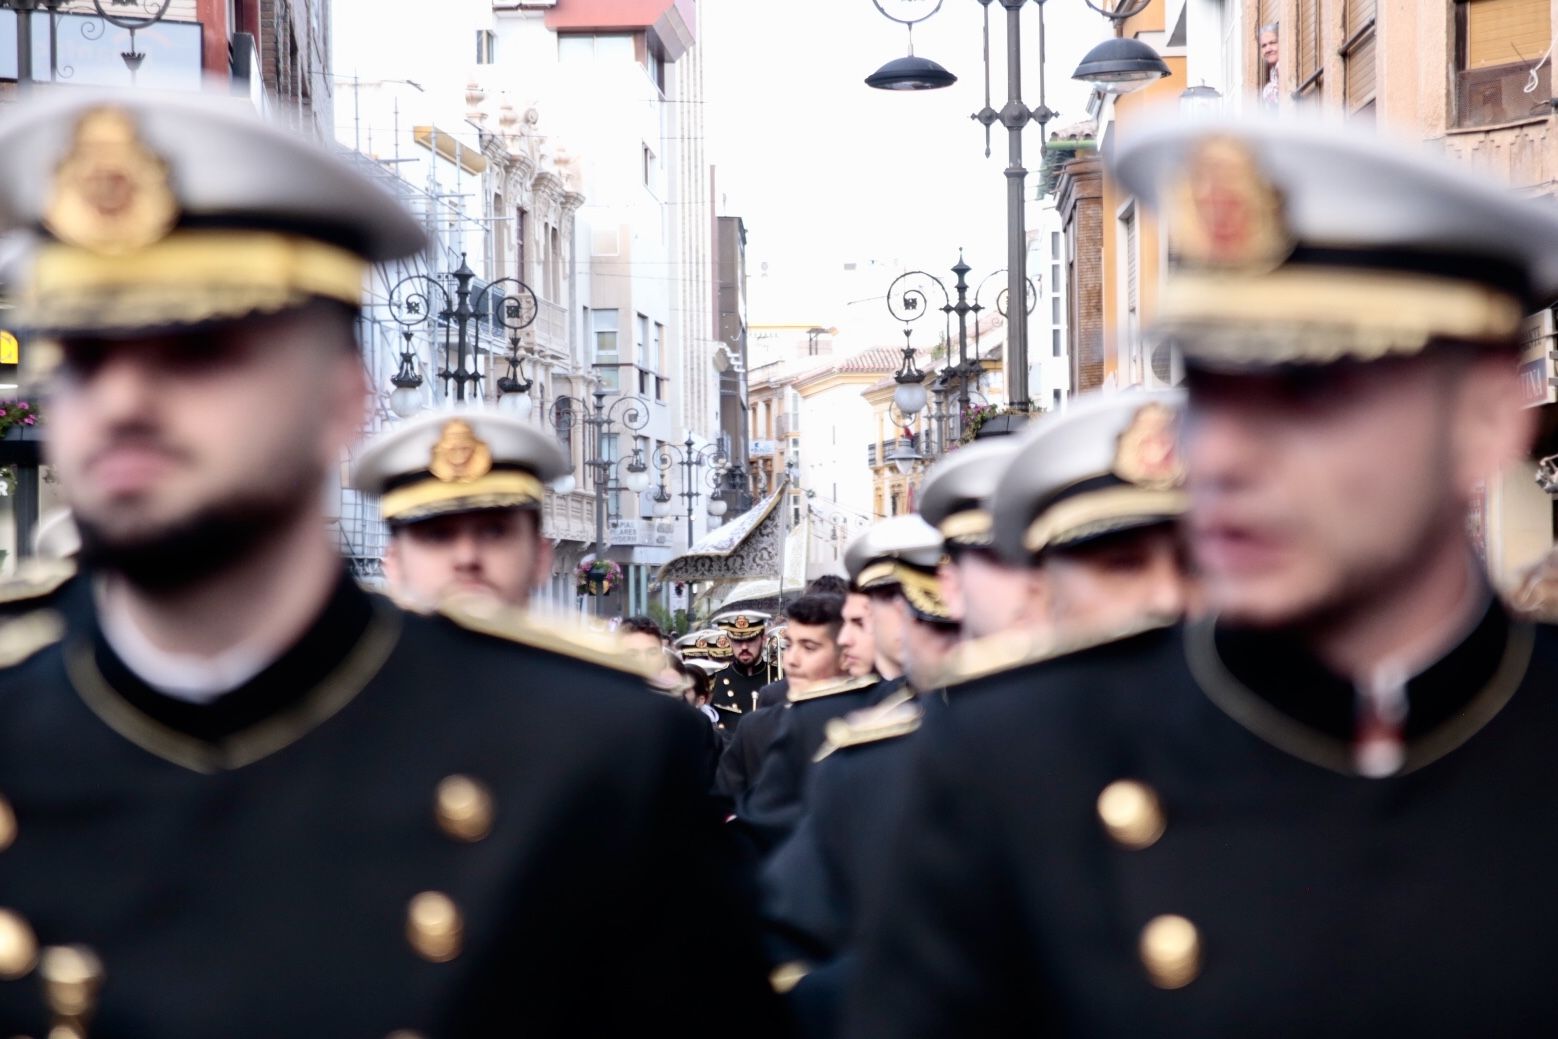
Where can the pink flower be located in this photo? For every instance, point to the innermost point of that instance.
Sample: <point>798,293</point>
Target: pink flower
<point>28,421</point>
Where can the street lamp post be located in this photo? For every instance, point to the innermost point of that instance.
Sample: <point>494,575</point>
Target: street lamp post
<point>1116,64</point>
<point>423,299</point>
<point>601,421</point>
<point>908,300</point>
<point>692,459</point>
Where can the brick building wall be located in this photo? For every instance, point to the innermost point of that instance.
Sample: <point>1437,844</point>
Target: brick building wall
<point>294,45</point>
<point>1079,200</point>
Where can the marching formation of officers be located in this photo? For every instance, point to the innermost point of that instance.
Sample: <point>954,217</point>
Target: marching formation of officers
<point>1174,713</point>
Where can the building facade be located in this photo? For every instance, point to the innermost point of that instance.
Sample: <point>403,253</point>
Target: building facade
<point>1474,79</point>
<point>274,52</point>
<point>560,146</point>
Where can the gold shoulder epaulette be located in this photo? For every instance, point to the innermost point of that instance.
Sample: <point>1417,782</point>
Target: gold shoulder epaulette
<point>888,720</point>
<point>480,614</point>
<point>35,579</point>
<point>23,636</point>
<point>990,655</point>
<point>980,658</point>
<point>842,685</point>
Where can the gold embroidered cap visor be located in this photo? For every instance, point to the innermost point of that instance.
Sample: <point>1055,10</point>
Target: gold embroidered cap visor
<point>1295,240</point>
<point>443,462</point>
<point>142,211</point>
<point>1318,315</point>
<point>188,279</point>
<point>424,499</point>
<point>1107,464</point>
<point>1074,521</point>
<point>881,574</point>
<point>922,591</point>
<point>973,527</point>
<point>742,625</point>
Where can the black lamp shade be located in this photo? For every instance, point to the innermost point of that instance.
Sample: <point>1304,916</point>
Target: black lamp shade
<point>1121,60</point>
<point>910,73</point>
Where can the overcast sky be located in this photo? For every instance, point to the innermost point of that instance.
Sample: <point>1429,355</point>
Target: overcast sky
<point>825,170</point>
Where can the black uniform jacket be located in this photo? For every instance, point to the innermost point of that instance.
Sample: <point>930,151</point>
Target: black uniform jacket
<point>1265,889</point>
<point>733,692</point>
<point>814,884</point>
<point>773,804</point>
<point>743,756</point>
<point>246,869</point>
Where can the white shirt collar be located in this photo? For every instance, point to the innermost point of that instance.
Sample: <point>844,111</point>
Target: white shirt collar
<point>182,676</point>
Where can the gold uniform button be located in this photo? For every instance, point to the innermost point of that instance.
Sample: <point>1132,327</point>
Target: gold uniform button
<point>434,927</point>
<point>72,974</point>
<point>785,977</point>
<point>1132,814</point>
<point>7,824</point>
<point>464,808</point>
<point>1171,951</point>
<point>18,947</point>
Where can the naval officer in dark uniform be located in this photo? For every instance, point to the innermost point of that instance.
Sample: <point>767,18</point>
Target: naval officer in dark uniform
<point>735,686</point>
<point>1103,546</point>
<point>1322,809</point>
<point>238,795</point>
<point>774,803</point>
<point>470,536</point>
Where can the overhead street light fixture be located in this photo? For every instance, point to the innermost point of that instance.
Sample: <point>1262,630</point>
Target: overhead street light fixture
<point>910,395</point>
<point>910,72</point>
<point>1120,65</point>
<point>1129,67</point>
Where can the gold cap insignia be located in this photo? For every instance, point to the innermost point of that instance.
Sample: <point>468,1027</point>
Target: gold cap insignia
<point>460,456</point>
<point>724,642</point>
<point>1148,451</point>
<point>1226,213</point>
<point>742,622</point>
<point>111,193</point>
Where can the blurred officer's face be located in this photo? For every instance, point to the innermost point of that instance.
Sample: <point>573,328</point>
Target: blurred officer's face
<point>181,454</point>
<point>856,639</point>
<point>642,644</point>
<point>1319,493</point>
<point>925,649</point>
<point>998,597</point>
<point>1116,582</point>
<point>748,650</point>
<point>493,552</point>
<point>887,632</point>
<point>811,654</point>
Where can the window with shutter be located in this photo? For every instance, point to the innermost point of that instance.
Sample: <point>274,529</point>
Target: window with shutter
<point>1267,14</point>
<point>1358,55</point>
<point>1502,61</point>
<point>1311,61</point>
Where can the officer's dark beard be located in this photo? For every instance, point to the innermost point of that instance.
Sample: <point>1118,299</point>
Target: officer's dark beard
<point>200,546</point>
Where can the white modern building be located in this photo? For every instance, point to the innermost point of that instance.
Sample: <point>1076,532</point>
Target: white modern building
<point>559,144</point>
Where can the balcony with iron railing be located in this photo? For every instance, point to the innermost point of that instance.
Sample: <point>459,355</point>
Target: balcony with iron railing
<point>888,451</point>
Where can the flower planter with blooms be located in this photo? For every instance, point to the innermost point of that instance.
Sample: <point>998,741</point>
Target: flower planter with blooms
<point>978,415</point>
<point>18,418</point>
<point>597,577</point>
